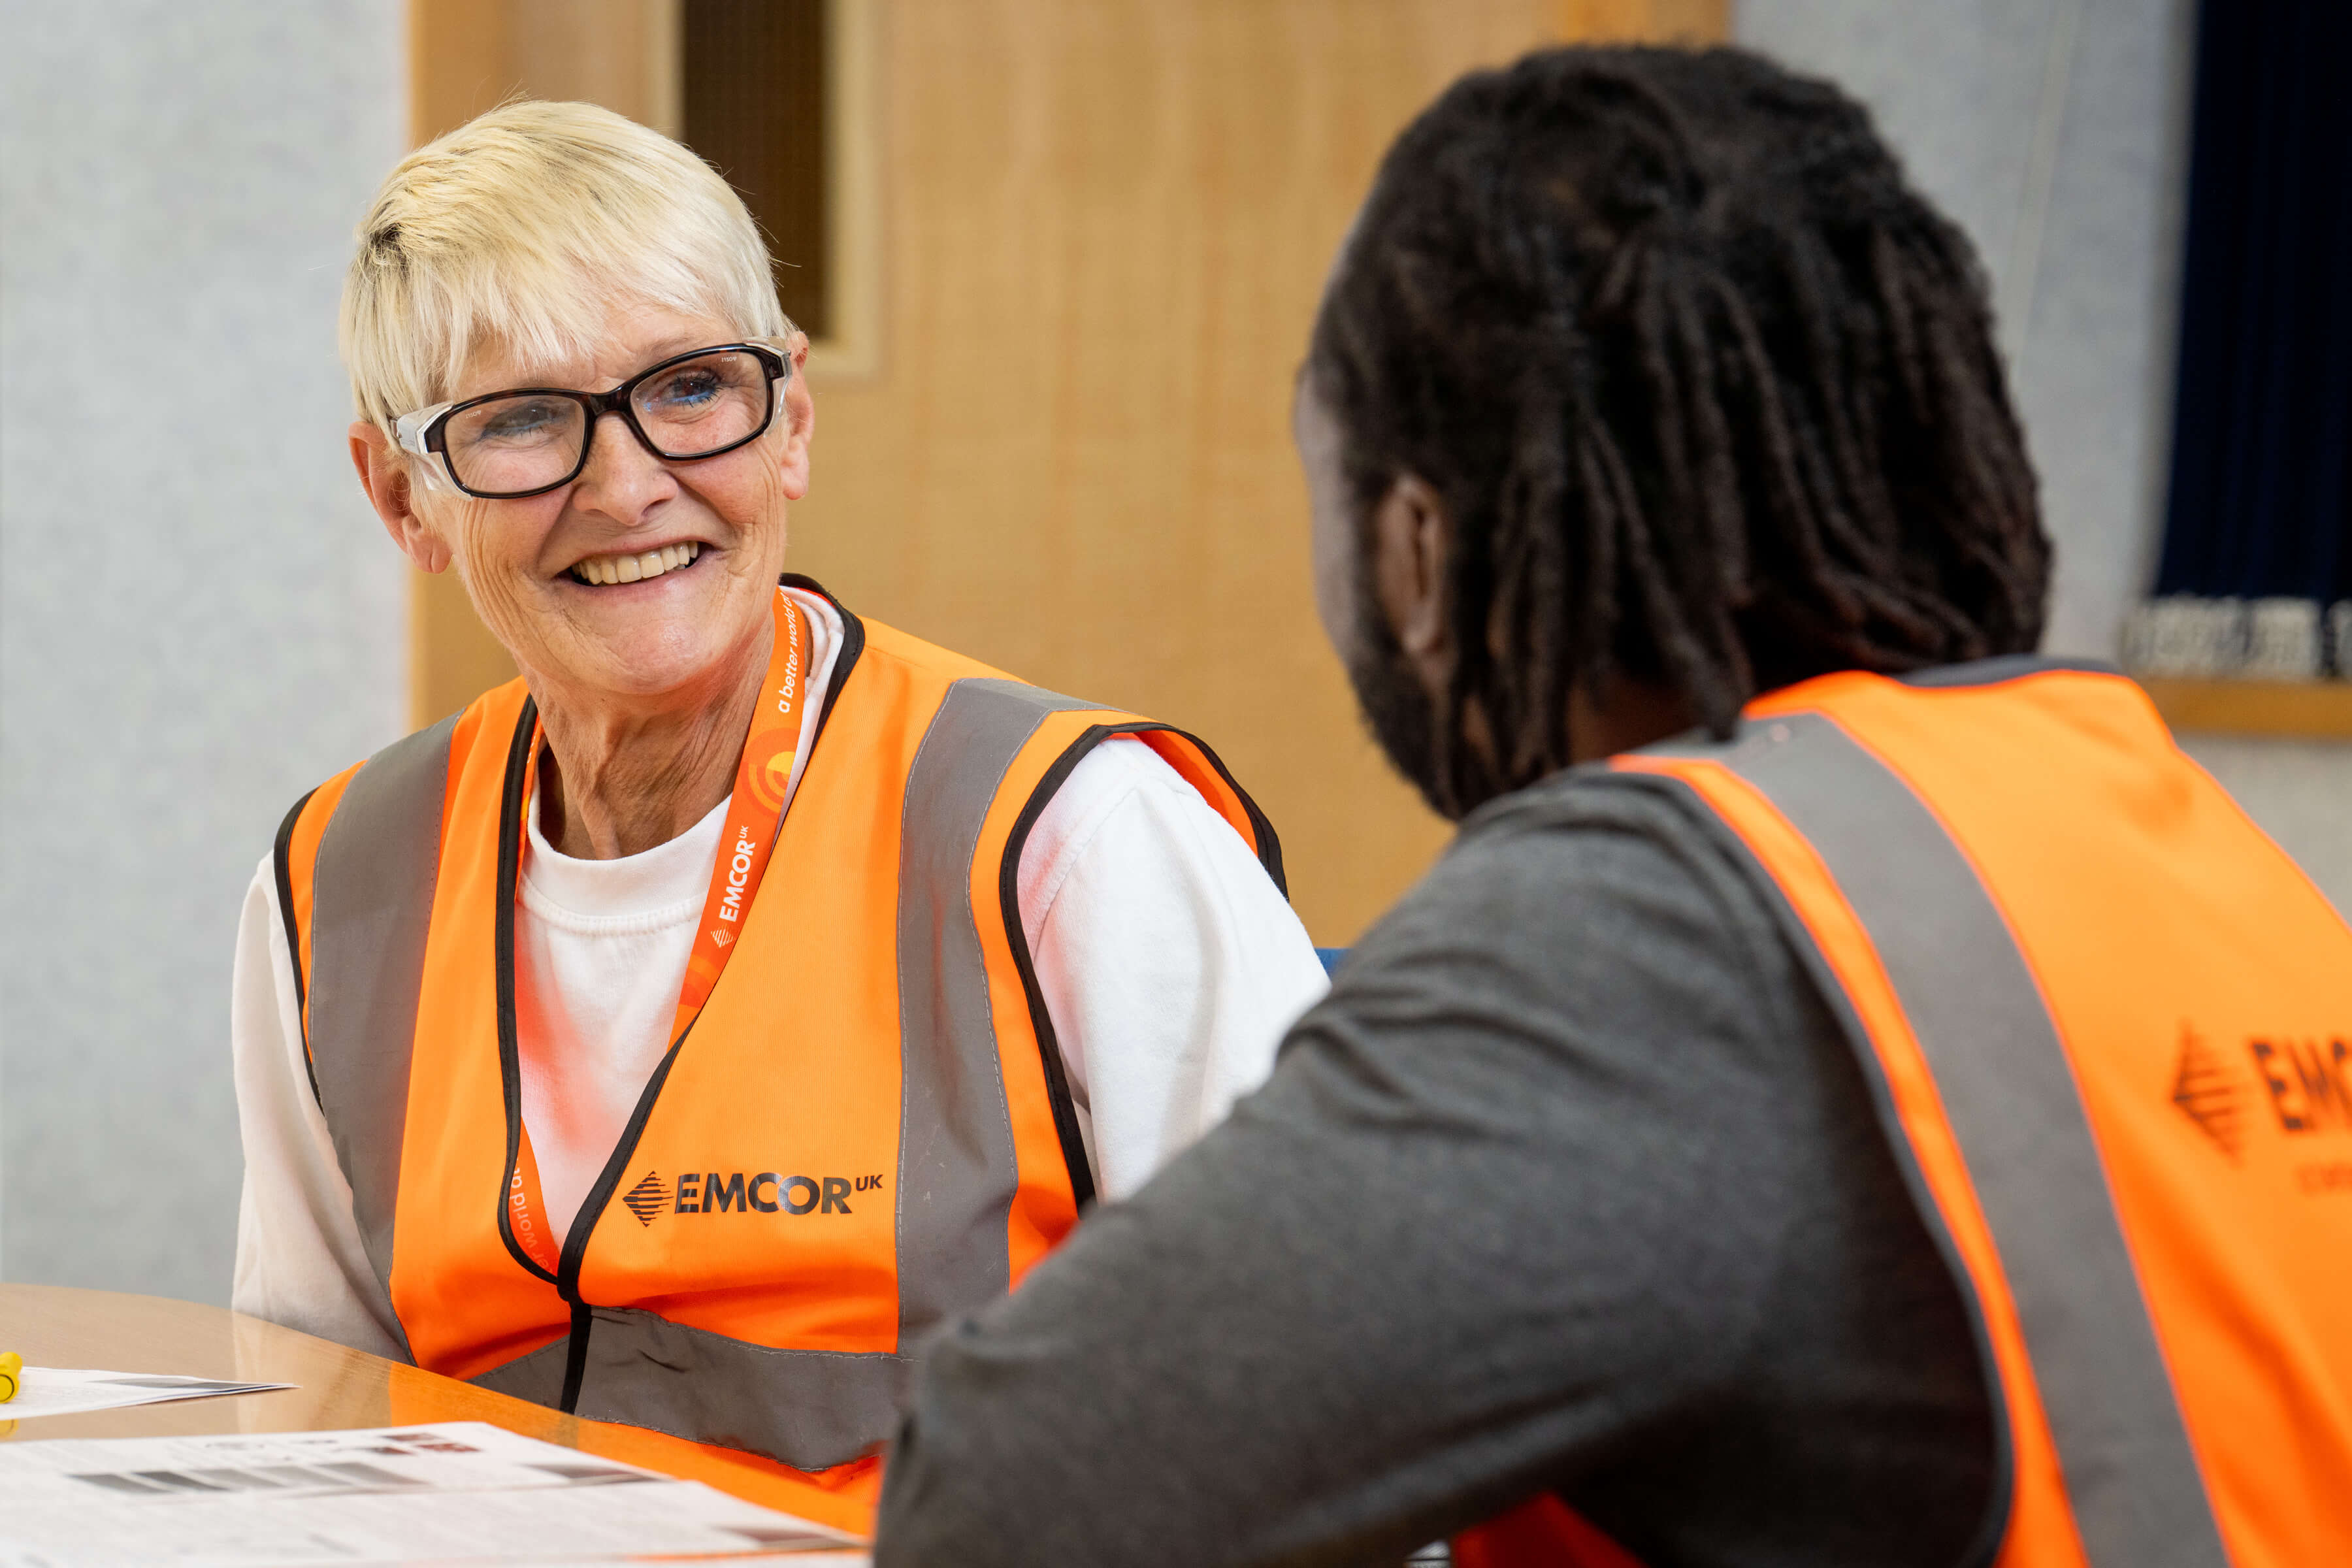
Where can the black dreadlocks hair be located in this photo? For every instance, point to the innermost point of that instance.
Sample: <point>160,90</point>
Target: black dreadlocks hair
<point>1708,392</point>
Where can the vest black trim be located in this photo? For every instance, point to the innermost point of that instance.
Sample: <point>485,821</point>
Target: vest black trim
<point>281,859</point>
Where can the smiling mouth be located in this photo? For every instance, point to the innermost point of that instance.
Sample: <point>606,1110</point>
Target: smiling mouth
<point>599,571</point>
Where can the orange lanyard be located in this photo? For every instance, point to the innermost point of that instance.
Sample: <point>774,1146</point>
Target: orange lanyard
<point>755,817</point>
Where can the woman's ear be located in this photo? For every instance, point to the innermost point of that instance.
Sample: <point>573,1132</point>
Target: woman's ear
<point>799,419</point>
<point>392,490</point>
<point>1411,537</point>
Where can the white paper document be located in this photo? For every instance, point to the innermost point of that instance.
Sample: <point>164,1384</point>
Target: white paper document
<point>69,1391</point>
<point>455,1492</point>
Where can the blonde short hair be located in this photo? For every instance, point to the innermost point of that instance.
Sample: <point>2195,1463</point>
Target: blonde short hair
<point>522,226</point>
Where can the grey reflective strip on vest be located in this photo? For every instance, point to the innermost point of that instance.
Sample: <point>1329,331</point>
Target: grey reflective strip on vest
<point>957,1173</point>
<point>2003,668</point>
<point>810,1409</point>
<point>2009,1093</point>
<point>371,906</point>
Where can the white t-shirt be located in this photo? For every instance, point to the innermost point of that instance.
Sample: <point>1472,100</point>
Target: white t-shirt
<point>1169,965</point>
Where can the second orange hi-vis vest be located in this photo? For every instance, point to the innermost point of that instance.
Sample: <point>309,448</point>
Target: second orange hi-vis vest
<point>865,1130</point>
<point>2108,1027</point>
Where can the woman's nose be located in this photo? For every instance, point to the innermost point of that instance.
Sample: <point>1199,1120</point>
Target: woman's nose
<point>621,476</point>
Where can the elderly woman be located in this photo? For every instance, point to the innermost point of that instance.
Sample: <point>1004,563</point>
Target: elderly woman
<point>680,1031</point>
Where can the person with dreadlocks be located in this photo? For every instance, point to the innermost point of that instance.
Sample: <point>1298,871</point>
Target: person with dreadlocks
<point>1853,1092</point>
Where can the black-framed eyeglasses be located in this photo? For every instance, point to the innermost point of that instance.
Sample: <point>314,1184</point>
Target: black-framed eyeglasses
<point>505,446</point>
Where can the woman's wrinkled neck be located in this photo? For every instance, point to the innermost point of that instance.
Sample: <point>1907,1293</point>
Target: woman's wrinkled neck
<point>620,774</point>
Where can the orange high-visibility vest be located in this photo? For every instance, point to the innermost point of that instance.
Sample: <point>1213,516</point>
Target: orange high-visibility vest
<point>2108,1028</point>
<point>865,1131</point>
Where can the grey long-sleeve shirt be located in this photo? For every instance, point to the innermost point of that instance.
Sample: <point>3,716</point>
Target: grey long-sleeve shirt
<point>1571,1182</point>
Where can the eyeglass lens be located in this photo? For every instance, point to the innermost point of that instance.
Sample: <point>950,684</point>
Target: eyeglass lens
<point>527,441</point>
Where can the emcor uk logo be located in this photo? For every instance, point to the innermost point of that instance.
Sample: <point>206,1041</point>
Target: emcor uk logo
<point>733,1192</point>
<point>2302,1086</point>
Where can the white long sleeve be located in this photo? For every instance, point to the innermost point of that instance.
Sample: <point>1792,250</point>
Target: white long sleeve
<point>300,1261</point>
<point>1169,965</point>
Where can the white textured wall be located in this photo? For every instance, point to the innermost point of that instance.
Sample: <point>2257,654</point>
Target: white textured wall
<point>2055,131</point>
<point>2299,790</point>
<point>199,618</point>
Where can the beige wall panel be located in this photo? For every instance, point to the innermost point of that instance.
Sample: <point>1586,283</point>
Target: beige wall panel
<point>460,62</point>
<point>1645,21</point>
<point>1108,224</point>
<point>621,54</point>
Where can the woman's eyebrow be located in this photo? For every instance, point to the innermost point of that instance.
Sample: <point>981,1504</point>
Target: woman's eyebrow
<point>680,344</point>
<point>668,348</point>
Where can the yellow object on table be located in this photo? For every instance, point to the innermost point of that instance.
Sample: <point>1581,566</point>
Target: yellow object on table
<point>12,1366</point>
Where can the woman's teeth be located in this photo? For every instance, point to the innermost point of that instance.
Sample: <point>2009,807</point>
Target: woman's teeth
<point>600,569</point>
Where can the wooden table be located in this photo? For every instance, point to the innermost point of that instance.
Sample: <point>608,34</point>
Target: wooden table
<point>337,1387</point>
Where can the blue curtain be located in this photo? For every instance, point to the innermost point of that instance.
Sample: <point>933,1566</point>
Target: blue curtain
<point>2259,507</point>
